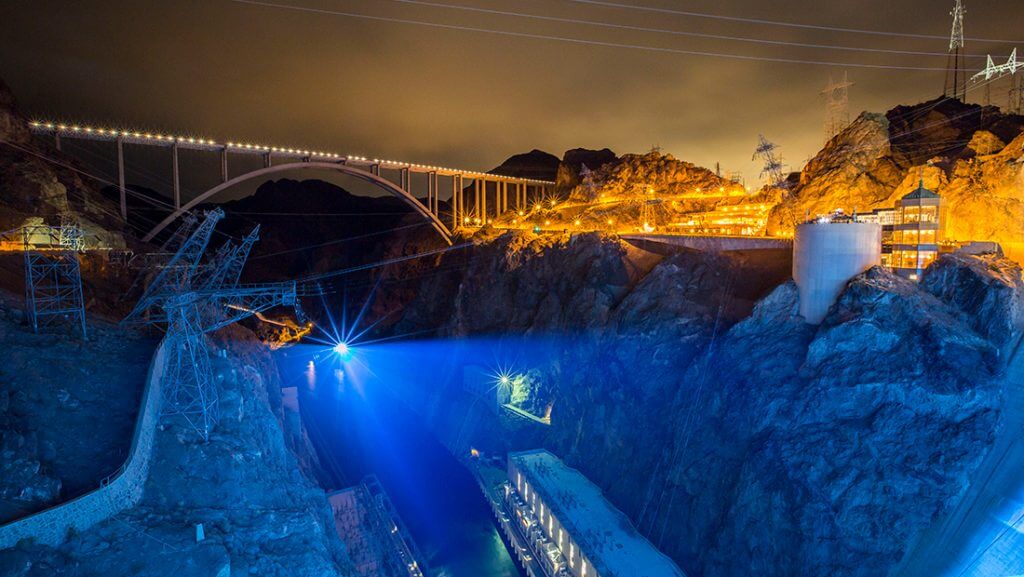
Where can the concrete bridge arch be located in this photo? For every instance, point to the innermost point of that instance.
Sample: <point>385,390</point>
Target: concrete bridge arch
<point>359,173</point>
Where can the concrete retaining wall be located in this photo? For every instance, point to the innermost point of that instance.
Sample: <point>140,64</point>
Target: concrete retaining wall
<point>119,491</point>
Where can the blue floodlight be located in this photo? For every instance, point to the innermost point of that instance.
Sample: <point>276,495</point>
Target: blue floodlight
<point>342,350</point>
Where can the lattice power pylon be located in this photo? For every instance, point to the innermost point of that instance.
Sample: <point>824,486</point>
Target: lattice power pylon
<point>956,74</point>
<point>837,106</point>
<point>53,277</point>
<point>773,170</point>
<point>993,72</point>
<point>1017,97</point>
<point>191,299</point>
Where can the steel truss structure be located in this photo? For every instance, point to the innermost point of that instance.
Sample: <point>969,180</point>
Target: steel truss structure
<point>53,277</point>
<point>192,298</point>
<point>774,171</point>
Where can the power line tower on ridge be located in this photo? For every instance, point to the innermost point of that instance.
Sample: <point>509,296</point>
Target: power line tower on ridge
<point>192,298</point>
<point>1017,97</point>
<point>837,106</point>
<point>956,73</point>
<point>773,170</point>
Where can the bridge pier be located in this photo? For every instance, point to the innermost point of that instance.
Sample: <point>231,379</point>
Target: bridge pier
<point>476,198</point>
<point>120,178</point>
<point>175,176</point>
<point>483,204</point>
<point>432,203</point>
<point>224,164</point>
<point>456,205</point>
<point>403,177</point>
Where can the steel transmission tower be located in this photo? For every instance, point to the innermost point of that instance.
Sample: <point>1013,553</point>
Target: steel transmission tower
<point>1017,97</point>
<point>190,299</point>
<point>837,106</point>
<point>647,216</point>
<point>773,170</point>
<point>956,73</point>
<point>53,277</point>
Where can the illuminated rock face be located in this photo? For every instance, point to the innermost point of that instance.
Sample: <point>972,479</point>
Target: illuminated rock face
<point>972,157</point>
<point>33,187</point>
<point>739,439</point>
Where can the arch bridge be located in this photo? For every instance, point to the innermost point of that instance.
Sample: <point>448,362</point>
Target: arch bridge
<point>491,194</point>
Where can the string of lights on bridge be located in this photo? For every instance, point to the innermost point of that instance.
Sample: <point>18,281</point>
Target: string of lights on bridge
<point>136,137</point>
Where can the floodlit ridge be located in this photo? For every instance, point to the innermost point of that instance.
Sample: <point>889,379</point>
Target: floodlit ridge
<point>191,142</point>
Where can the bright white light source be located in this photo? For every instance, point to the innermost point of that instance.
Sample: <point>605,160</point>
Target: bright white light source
<point>343,351</point>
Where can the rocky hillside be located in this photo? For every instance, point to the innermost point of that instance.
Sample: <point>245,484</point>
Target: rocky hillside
<point>38,183</point>
<point>738,438</point>
<point>972,156</point>
<point>261,512</point>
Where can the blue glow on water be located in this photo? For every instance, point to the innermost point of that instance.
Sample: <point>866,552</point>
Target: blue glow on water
<point>358,410</point>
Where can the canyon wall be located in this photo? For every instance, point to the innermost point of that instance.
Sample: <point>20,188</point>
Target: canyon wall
<point>738,438</point>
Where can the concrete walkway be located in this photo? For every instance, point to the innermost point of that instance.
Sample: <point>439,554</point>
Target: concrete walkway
<point>984,535</point>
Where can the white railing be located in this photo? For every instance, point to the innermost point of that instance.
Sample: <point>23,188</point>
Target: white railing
<point>119,491</point>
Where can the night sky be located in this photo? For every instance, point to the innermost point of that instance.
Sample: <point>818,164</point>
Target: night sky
<point>229,70</point>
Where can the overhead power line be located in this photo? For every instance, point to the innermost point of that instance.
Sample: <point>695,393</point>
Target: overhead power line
<point>677,12</point>
<point>581,41</point>
<point>633,28</point>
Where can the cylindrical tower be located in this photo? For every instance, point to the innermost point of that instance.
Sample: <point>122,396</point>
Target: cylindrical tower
<point>826,255</point>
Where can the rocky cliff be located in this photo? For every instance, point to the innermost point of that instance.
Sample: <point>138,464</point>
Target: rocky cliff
<point>972,156</point>
<point>249,487</point>
<point>38,183</point>
<point>738,438</point>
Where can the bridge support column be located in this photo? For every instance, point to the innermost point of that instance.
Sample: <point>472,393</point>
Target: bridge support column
<point>404,181</point>
<point>375,169</point>
<point>224,164</point>
<point>502,197</point>
<point>456,209</point>
<point>56,141</point>
<point>476,198</point>
<point>268,161</point>
<point>175,177</point>
<point>432,203</point>
<point>483,203</point>
<point>120,178</point>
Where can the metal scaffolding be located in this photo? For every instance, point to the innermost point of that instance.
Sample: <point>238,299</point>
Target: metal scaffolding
<point>53,278</point>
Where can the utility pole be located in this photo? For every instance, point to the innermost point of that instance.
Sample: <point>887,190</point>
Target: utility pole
<point>956,74</point>
<point>773,170</point>
<point>837,106</point>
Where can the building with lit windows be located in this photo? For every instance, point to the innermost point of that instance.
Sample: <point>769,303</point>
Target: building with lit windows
<point>885,218</point>
<point>917,232</point>
<point>572,530</point>
<point>377,541</point>
<point>747,219</point>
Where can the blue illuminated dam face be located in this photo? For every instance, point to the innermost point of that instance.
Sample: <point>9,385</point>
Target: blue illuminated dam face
<point>359,428</point>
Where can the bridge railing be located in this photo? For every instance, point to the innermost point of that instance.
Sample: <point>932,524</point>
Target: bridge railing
<point>119,491</point>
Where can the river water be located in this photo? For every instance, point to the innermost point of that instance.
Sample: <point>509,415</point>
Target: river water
<point>360,430</point>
